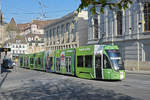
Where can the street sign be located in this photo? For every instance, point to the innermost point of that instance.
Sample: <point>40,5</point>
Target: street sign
<point>5,49</point>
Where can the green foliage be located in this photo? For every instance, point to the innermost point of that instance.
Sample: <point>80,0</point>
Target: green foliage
<point>122,4</point>
<point>19,37</point>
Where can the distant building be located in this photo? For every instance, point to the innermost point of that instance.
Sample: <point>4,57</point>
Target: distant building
<point>11,30</point>
<point>129,29</point>
<point>2,29</point>
<point>2,34</point>
<point>35,27</point>
<point>24,29</point>
<point>1,17</point>
<point>70,31</point>
<point>35,43</point>
<point>18,46</point>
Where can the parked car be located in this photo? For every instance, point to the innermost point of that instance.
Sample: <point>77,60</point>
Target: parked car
<point>13,63</point>
<point>7,63</point>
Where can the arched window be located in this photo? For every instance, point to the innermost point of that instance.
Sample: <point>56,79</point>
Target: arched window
<point>119,22</point>
<point>147,16</point>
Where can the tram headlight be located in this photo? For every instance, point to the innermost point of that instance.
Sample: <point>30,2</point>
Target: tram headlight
<point>116,68</point>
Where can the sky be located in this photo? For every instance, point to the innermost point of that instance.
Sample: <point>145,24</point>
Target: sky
<point>25,11</point>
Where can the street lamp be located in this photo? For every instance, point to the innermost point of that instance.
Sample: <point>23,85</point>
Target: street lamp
<point>138,44</point>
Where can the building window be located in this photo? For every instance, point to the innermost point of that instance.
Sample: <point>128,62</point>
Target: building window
<point>119,22</point>
<point>58,32</point>
<point>68,31</point>
<point>50,33</point>
<point>62,32</point>
<point>147,16</point>
<point>74,31</point>
<point>54,32</point>
<point>30,44</point>
<point>47,35</point>
<point>95,27</point>
<point>36,44</point>
<point>102,22</point>
<point>36,39</point>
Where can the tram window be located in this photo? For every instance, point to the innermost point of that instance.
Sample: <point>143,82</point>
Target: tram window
<point>98,61</point>
<point>80,61</point>
<point>46,61</point>
<point>31,60</point>
<point>106,63</point>
<point>68,64</point>
<point>21,61</point>
<point>51,61</point>
<point>58,64</point>
<point>88,61</point>
<point>27,62</point>
<point>39,61</point>
<point>36,61</point>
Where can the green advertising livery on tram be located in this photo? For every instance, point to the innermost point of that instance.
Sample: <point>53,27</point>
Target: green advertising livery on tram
<point>91,62</point>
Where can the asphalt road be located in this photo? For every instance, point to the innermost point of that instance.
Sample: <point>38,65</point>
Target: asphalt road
<point>24,84</point>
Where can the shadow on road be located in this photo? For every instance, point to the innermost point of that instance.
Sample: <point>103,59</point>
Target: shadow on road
<point>5,73</point>
<point>62,90</point>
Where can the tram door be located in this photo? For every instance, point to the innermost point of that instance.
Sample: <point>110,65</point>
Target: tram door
<point>46,63</point>
<point>68,64</point>
<point>50,63</point>
<point>98,69</point>
<point>57,64</point>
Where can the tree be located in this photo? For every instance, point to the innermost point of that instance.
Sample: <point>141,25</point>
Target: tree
<point>121,4</point>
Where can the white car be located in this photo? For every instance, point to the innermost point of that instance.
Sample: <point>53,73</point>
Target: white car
<point>13,64</point>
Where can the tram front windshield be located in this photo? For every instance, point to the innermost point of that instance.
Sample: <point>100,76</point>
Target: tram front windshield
<point>116,59</point>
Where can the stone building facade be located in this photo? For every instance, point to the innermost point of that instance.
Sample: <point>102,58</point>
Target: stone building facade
<point>34,27</point>
<point>129,29</point>
<point>69,31</point>
<point>35,43</point>
<point>2,30</point>
<point>2,34</point>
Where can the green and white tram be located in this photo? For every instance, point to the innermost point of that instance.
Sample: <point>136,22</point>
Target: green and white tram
<point>92,62</point>
<point>99,62</point>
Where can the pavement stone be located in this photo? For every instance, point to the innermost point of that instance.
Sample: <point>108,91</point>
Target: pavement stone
<point>3,75</point>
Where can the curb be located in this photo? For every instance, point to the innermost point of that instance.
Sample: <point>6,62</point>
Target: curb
<point>142,73</point>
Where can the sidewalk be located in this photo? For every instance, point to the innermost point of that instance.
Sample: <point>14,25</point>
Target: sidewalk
<point>138,72</point>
